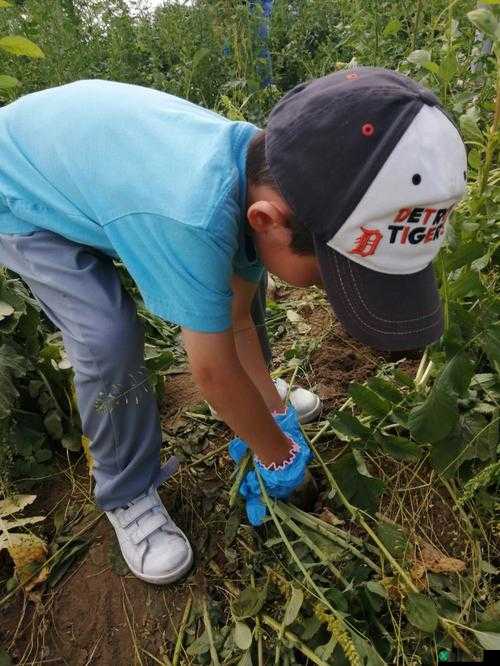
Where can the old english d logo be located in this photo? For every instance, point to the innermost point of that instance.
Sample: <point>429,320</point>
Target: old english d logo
<point>367,242</point>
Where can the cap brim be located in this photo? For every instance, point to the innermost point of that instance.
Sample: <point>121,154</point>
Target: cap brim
<point>387,312</point>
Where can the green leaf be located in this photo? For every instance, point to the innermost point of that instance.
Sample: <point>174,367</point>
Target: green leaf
<point>232,526</point>
<point>432,67</point>
<point>474,158</point>
<point>368,400</point>
<point>385,389</point>
<point>4,3</point>
<point>348,426</point>
<point>325,651</point>
<point>242,635</point>
<point>490,342</point>
<point>482,438</point>
<point>362,491</point>
<point>199,646</point>
<point>466,253</point>
<point>421,612</point>
<point>246,659</point>
<point>467,284</point>
<point>310,626</point>
<point>419,57</point>
<point>293,606</point>
<point>6,310</point>
<point>21,46</point>
<point>403,378</point>
<point>391,28</point>
<point>400,448</point>
<point>8,82</point>
<point>199,56</point>
<point>65,558</point>
<point>161,361</point>
<point>447,454</point>
<point>12,366</point>
<point>11,296</point>
<point>72,442</point>
<point>5,660</point>
<point>377,588</point>
<point>53,425</point>
<point>470,128</point>
<point>488,639</point>
<point>448,67</point>
<point>435,418</point>
<point>369,655</point>
<point>248,603</point>
<point>394,539</point>
<point>485,20</point>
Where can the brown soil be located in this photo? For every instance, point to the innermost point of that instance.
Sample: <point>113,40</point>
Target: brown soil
<point>340,360</point>
<point>99,610</point>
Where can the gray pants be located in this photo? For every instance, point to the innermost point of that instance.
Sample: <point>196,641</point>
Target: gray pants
<point>79,290</point>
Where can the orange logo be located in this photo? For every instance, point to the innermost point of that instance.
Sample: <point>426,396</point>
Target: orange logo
<point>367,242</point>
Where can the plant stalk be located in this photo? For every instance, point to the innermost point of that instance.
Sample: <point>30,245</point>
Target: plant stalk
<point>298,644</point>
<point>492,138</point>
<point>182,629</point>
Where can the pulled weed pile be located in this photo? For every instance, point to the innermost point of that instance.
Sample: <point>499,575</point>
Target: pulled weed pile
<point>391,555</point>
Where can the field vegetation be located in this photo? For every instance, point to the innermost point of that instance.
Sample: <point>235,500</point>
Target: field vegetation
<point>392,553</point>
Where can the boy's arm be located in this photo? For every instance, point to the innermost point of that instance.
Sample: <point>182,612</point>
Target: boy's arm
<point>248,345</point>
<point>227,387</point>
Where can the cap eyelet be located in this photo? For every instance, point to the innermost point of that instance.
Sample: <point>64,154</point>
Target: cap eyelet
<point>368,129</point>
<point>352,75</point>
<point>416,179</point>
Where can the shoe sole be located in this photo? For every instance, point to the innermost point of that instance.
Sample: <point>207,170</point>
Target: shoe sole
<point>172,577</point>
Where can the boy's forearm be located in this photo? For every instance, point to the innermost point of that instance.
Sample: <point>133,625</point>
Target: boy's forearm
<point>251,358</point>
<point>237,400</point>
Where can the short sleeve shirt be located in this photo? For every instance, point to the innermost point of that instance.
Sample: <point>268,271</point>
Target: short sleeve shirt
<point>144,176</point>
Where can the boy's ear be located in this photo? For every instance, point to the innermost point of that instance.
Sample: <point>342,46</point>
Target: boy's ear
<point>264,216</point>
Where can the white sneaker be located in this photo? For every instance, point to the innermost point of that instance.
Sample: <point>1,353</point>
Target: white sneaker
<point>306,403</point>
<point>154,548</point>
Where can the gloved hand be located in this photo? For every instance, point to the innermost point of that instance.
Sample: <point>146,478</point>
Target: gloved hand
<point>279,482</point>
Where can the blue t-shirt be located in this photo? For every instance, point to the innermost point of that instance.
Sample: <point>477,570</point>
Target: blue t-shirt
<point>140,175</point>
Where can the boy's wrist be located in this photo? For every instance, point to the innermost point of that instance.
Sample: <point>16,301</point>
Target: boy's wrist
<point>277,453</point>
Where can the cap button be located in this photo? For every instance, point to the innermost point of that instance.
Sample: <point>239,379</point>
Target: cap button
<point>427,97</point>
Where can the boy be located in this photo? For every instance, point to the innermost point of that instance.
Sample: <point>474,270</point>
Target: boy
<point>350,186</point>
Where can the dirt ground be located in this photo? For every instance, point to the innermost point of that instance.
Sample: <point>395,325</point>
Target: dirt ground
<point>99,614</point>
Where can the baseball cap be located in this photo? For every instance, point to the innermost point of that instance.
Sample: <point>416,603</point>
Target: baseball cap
<point>373,166</point>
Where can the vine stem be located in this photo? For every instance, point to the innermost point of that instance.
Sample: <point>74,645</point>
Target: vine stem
<point>307,652</point>
<point>208,626</point>
<point>311,545</point>
<point>416,26</point>
<point>288,545</point>
<point>182,629</point>
<point>233,493</point>
<point>323,528</point>
<point>492,139</point>
<point>420,368</point>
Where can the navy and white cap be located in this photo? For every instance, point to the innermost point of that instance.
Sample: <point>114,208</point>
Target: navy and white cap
<point>372,165</point>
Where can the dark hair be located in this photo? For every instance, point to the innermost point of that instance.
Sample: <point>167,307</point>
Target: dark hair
<point>259,173</point>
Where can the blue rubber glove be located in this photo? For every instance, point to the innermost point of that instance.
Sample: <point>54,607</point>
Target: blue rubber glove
<point>279,483</point>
